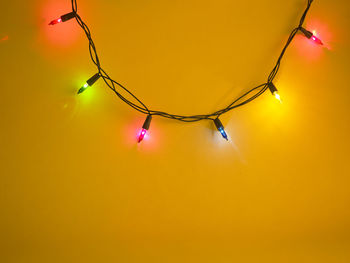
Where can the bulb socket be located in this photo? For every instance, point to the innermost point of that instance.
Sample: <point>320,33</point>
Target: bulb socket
<point>272,88</point>
<point>93,79</point>
<point>307,33</point>
<point>218,124</point>
<point>68,16</point>
<point>147,122</point>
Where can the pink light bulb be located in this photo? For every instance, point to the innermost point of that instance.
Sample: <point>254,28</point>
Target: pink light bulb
<point>142,135</point>
<point>316,40</point>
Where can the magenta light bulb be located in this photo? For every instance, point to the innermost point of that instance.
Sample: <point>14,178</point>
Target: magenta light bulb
<point>145,128</point>
<point>142,135</point>
<point>316,40</point>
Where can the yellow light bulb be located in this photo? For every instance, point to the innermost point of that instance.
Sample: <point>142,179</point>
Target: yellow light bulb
<point>277,96</point>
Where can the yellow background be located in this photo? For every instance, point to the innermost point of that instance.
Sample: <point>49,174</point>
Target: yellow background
<point>76,187</point>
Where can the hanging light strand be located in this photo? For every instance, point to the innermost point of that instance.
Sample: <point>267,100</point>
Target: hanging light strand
<point>135,103</point>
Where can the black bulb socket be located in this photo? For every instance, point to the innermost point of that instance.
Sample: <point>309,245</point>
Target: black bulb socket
<point>272,88</point>
<point>93,79</point>
<point>68,16</point>
<point>307,33</point>
<point>218,124</point>
<point>147,122</point>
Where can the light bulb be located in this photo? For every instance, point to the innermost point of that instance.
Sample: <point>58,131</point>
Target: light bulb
<point>142,135</point>
<point>63,18</point>
<point>277,96</point>
<point>311,36</point>
<point>220,128</point>
<point>56,21</point>
<point>316,40</point>
<point>274,91</point>
<point>145,128</point>
<point>89,83</point>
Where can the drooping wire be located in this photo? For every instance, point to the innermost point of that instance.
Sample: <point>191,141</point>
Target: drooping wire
<point>138,105</point>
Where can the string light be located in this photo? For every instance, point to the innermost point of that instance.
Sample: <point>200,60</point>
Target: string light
<point>311,36</point>
<point>220,128</point>
<point>138,105</point>
<point>274,91</point>
<point>145,128</point>
<point>89,83</point>
<point>63,18</point>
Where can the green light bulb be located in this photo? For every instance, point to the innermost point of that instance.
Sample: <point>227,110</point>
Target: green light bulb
<point>89,83</point>
<point>83,88</point>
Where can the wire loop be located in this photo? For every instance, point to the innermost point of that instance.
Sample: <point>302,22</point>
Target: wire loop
<point>138,105</point>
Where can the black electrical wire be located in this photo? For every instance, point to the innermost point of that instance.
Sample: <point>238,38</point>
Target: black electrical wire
<point>138,105</point>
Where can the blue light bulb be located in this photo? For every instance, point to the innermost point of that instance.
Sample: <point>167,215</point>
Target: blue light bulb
<point>220,128</point>
<point>223,133</point>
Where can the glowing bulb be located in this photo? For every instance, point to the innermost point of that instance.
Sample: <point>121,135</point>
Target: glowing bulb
<point>63,18</point>
<point>56,21</point>
<point>311,35</point>
<point>277,96</point>
<point>316,40</point>
<point>142,135</point>
<point>223,133</point>
<point>220,128</point>
<point>274,91</point>
<point>89,83</point>
<point>145,128</point>
<point>83,88</point>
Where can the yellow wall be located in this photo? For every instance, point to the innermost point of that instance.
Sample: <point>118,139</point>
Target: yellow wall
<point>75,186</point>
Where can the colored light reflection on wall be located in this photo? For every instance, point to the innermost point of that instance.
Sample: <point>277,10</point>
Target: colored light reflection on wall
<point>5,38</point>
<point>309,49</point>
<point>63,35</point>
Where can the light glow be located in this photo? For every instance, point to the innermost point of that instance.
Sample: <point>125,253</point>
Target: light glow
<point>277,96</point>
<point>5,38</point>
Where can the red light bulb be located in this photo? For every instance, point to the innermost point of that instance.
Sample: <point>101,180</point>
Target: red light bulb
<point>56,21</point>
<point>145,128</point>
<point>63,18</point>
